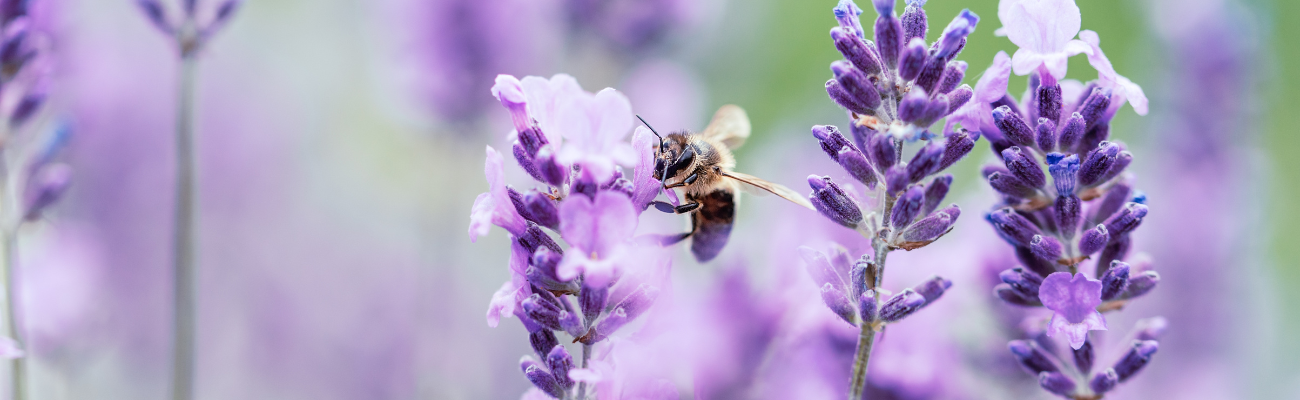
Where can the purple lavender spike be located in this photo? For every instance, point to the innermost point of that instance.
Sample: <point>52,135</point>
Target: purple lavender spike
<point>1098,161</point>
<point>1137,357</point>
<point>833,203</point>
<point>1142,284</point>
<point>929,228</point>
<point>933,288</point>
<point>907,207</point>
<point>1057,383</point>
<point>856,50</point>
<point>1104,381</point>
<point>912,59</point>
<point>1046,248</point>
<point>1116,197</point>
<point>560,362</point>
<point>913,106</point>
<point>1050,102</point>
<point>958,96</point>
<point>857,166</point>
<point>1013,127</point>
<point>1084,357</point>
<point>1011,186</point>
<point>838,303</point>
<point>926,162</point>
<point>1071,132</point>
<point>889,34</point>
<point>935,192</point>
<point>895,180</point>
<point>1031,357</point>
<point>952,76</point>
<point>592,301</point>
<point>901,305</point>
<point>956,146</point>
<point>1013,227</point>
<point>541,378</point>
<point>1115,280</point>
<point>883,153</point>
<point>844,99</point>
<point>856,83</point>
<point>1066,211</point>
<point>1126,220</point>
<point>1015,297</point>
<point>954,35</point>
<point>1045,135</point>
<point>1064,171</point>
<point>915,24</point>
<point>1024,166</point>
<point>867,306</point>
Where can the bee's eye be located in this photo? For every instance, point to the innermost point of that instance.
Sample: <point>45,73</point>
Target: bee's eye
<point>659,169</point>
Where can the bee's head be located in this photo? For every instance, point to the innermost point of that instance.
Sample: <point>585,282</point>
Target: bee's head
<point>670,157</point>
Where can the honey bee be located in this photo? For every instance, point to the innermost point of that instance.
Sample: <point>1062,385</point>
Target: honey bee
<point>701,165</point>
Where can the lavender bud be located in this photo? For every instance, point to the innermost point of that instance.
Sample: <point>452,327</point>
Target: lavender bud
<point>857,166</point>
<point>592,301</point>
<point>571,323</point>
<point>560,362</point>
<point>1116,197</point>
<point>858,277</point>
<point>542,312</point>
<point>833,203</point>
<point>914,21</point>
<point>931,227</point>
<point>856,84</point>
<point>1093,136</point>
<point>1122,160</point>
<point>1095,106</point>
<point>1115,280</point>
<point>912,59</point>
<point>1116,249</point>
<point>541,340</point>
<point>541,378</point>
<point>1057,383</point>
<point>839,304</point>
<point>1067,210</point>
<point>47,186</point>
<point>1024,166</point>
<point>846,13</point>
<point>1136,358</point>
<point>1104,381</point>
<point>15,50</point>
<point>889,34</point>
<point>931,73</point>
<point>550,170</point>
<point>1046,248</point>
<point>933,288</point>
<point>1151,328</point>
<point>856,51</point>
<point>952,76</point>
<point>862,137</point>
<point>957,96</point>
<point>935,192</point>
<point>1126,220</point>
<point>936,109</point>
<point>1023,281</point>
<point>1071,132</point>
<point>1142,284</point>
<point>954,35</point>
<point>1049,103</point>
<point>867,306</point>
<point>956,146</point>
<point>1015,297</point>
<point>1045,136</point>
<point>1011,186</point>
<point>1097,163</point>
<point>1013,127</point>
<point>536,207</point>
<point>1013,227</point>
<point>224,12</point>
<point>1065,172</point>
<point>895,180</point>
<point>831,140</point>
<point>913,105</point>
<point>1083,357</point>
<point>907,207</point>
<point>534,238</point>
<point>154,11</point>
<point>883,153</point>
<point>842,97</point>
<point>926,162</point>
<point>901,305</point>
<point>1031,357</point>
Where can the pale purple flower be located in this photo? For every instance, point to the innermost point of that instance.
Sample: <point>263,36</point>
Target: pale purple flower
<point>1074,302</point>
<point>1045,31</point>
<point>594,127</point>
<point>644,185</point>
<point>597,230</point>
<point>545,98</point>
<point>494,206</point>
<point>977,114</point>
<point>1124,89</point>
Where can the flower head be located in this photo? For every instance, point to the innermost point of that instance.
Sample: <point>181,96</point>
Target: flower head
<point>597,229</point>
<point>1074,302</point>
<point>594,127</point>
<point>1045,31</point>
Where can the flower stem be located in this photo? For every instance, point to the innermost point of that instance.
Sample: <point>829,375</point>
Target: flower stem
<point>867,335</point>
<point>586,356</point>
<point>184,241</point>
<point>13,328</point>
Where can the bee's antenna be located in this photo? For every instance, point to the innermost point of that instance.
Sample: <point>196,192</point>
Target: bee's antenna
<point>652,130</point>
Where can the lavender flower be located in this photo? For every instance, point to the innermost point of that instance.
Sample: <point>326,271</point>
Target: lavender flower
<point>1074,304</point>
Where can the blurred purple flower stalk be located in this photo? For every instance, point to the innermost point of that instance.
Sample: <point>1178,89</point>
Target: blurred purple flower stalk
<point>1083,207</point>
<point>894,89</point>
<point>190,31</point>
<point>571,142</point>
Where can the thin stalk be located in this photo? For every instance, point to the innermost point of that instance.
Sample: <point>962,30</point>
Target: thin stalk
<point>13,328</point>
<point>184,241</point>
<point>867,334</point>
<point>586,356</point>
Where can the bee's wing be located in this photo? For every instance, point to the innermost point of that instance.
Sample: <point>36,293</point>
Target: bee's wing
<point>775,188</point>
<point>730,126</point>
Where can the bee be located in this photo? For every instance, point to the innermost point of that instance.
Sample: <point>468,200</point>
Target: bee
<point>701,164</point>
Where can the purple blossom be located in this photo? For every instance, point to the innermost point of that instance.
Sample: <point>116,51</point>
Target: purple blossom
<point>494,207</point>
<point>1123,88</point>
<point>977,114</point>
<point>1045,31</point>
<point>597,230</point>
<point>594,127</point>
<point>1073,301</point>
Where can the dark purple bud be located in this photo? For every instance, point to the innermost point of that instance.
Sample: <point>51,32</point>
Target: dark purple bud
<point>1023,281</point>
<point>955,34</point>
<point>1011,186</point>
<point>592,301</point>
<point>1093,240</point>
<point>1067,210</point>
<point>1084,356</point>
<point>1137,357</point>
<point>537,207</point>
<point>958,96</point>
<point>1115,280</point>
<point>926,162</point>
<point>1013,227</point>
<point>1116,249</point>
<point>1013,127</point>
<point>527,162</point>
<point>856,164</point>
<point>1071,132</point>
<point>1057,383</point>
<point>45,188</point>
<point>895,180</point>
<point>1015,297</point>
<point>1093,136</point>
<point>831,140</point>
<point>931,73</point>
<point>1024,166</point>
<point>542,339</point>
<point>1151,328</point>
<point>833,203</point>
<point>560,362</point>
<point>571,323</point>
<point>883,153</point>
<point>856,51</point>
<point>1097,163</point>
<point>1126,220</point>
<point>912,59</point>
<point>933,288</point>
<point>153,10</point>
<point>907,207</point>
<point>1104,381</point>
<point>867,306</point>
<point>889,34</point>
<point>541,378</point>
<point>1142,284</point>
<point>936,109</point>
<point>935,192</point>
<point>842,97</point>
<point>846,13</point>
<point>862,137</point>
<point>1031,357</point>
<point>1065,172</point>
<point>856,84</point>
<point>1116,197</point>
<point>835,300</point>
<point>530,137</point>
<point>1046,248</point>
<point>1007,101</point>
<point>931,227</point>
<point>637,302</point>
<point>858,277</point>
<point>956,146</point>
<point>534,238</point>
<point>1049,102</point>
<point>1095,106</point>
<point>914,21</point>
<point>550,170</point>
<point>12,9</point>
<point>901,305</point>
<point>1045,136</point>
<point>913,105</point>
<point>952,76</point>
<point>542,311</point>
<point>1122,160</point>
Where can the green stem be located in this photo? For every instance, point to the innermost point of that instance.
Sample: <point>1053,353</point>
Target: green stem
<point>12,316</point>
<point>867,334</point>
<point>586,356</point>
<point>184,241</point>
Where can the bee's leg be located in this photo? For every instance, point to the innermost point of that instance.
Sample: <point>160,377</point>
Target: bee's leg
<point>669,240</point>
<point>685,208</point>
<point>689,180</point>
<point>669,208</point>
